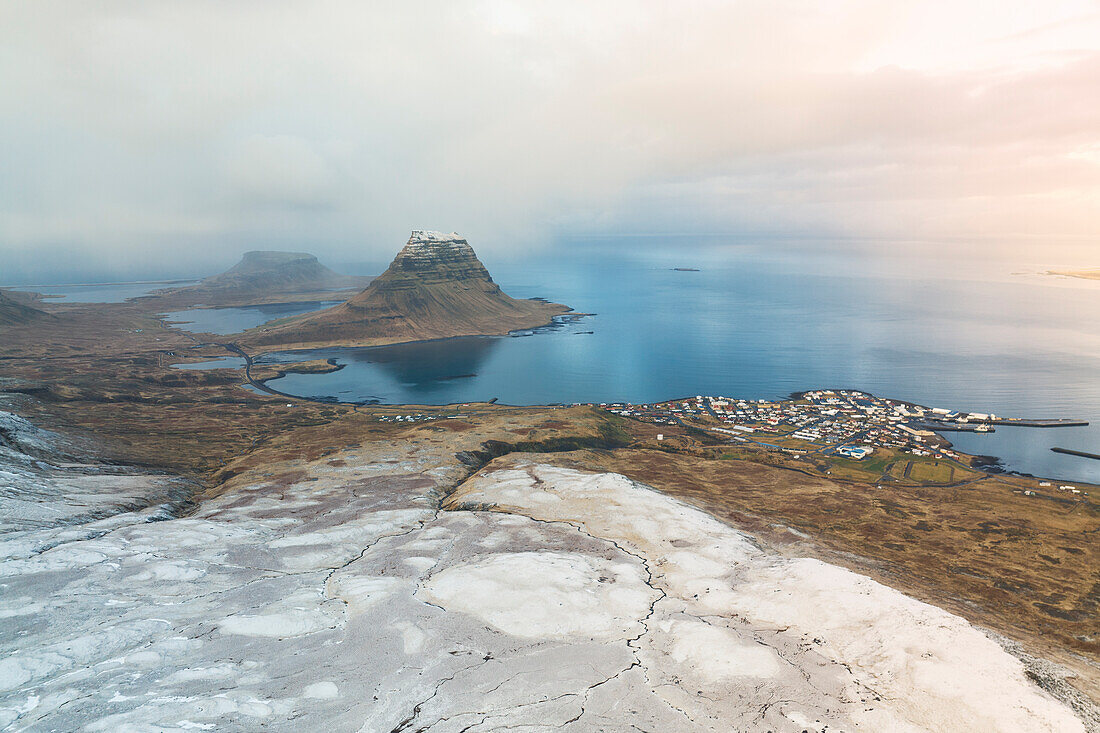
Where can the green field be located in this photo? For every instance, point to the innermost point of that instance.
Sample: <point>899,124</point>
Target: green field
<point>900,467</point>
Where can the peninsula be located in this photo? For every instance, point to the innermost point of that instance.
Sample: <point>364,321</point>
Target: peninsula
<point>436,287</point>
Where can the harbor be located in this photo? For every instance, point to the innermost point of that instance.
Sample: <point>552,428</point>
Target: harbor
<point>844,424</point>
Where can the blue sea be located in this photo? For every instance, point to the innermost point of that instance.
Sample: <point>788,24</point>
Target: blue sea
<point>944,328</point>
<point>757,322</point>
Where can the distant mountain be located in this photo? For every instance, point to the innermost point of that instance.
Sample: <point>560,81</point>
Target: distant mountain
<point>14,311</point>
<point>435,288</point>
<point>264,277</point>
<point>278,271</point>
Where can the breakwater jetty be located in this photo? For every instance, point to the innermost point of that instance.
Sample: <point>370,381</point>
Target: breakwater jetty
<point>1030,423</point>
<point>1071,452</point>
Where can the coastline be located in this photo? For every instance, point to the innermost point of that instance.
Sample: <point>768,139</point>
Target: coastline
<point>261,384</point>
<point>250,336</point>
<point>968,548</point>
<point>483,442</point>
<point>993,464</point>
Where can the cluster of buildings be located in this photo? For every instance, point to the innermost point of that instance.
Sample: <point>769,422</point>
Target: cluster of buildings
<point>1063,487</point>
<point>417,417</point>
<point>845,422</point>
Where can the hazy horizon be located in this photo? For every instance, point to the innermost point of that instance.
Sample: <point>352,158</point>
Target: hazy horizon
<point>849,256</point>
<point>147,140</point>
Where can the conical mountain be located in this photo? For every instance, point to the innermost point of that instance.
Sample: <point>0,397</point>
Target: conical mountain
<point>435,288</point>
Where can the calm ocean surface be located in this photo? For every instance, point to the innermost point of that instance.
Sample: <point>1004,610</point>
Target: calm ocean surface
<point>103,293</point>
<point>756,321</point>
<point>757,324</point>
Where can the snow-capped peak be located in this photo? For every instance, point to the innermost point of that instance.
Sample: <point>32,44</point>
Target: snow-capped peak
<point>426,235</point>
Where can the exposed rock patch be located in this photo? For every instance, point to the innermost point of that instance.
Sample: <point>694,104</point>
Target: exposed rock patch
<point>546,594</point>
<point>910,666</point>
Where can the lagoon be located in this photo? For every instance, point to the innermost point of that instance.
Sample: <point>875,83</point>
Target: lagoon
<point>224,321</point>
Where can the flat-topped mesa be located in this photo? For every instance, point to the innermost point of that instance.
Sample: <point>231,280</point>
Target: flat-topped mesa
<point>264,276</point>
<point>267,259</point>
<point>267,270</point>
<point>435,288</point>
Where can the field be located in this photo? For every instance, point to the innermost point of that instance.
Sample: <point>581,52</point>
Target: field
<point>898,467</point>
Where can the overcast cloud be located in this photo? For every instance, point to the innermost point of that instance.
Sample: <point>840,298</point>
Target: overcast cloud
<point>140,132</point>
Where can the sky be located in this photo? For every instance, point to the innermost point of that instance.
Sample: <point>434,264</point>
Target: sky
<point>169,136</point>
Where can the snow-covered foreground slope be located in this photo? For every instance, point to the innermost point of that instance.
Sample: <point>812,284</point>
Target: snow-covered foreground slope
<point>731,613</point>
<point>47,482</point>
<point>337,596</point>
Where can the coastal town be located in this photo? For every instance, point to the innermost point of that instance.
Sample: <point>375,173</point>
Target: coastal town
<point>845,422</point>
<point>834,425</point>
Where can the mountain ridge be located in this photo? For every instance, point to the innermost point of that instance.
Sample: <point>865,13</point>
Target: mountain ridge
<point>15,312</point>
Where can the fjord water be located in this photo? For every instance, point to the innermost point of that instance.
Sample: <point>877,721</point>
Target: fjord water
<point>234,320</point>
<point>102,292</point>
<point>761,323</point>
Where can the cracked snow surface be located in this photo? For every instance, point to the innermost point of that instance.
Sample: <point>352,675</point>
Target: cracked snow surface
<point>337,595</point>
